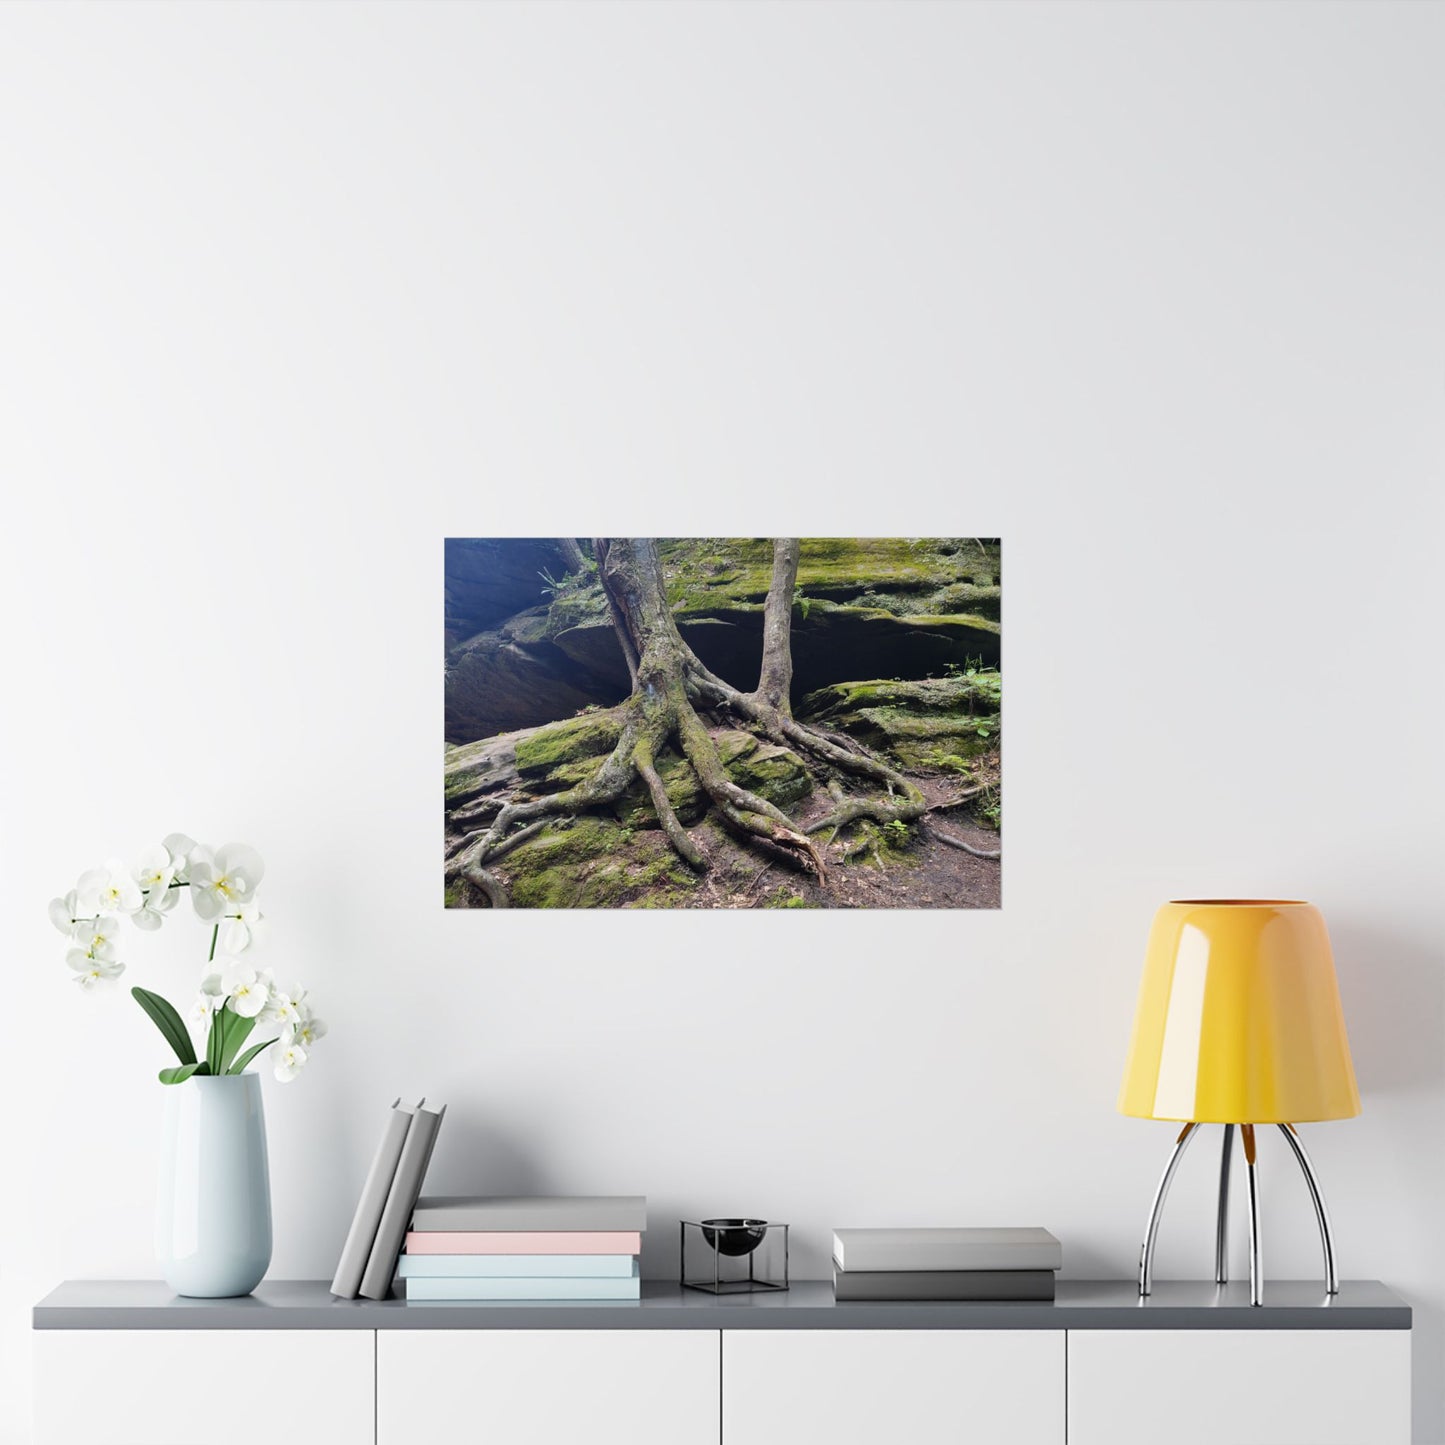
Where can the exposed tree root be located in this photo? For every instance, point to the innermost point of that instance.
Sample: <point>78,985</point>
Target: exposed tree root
<point>963,847</point>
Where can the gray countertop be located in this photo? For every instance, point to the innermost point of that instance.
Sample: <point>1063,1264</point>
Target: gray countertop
<point>809,1304</point>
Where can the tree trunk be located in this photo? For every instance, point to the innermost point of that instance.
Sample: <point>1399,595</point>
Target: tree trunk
<point>776,680</point>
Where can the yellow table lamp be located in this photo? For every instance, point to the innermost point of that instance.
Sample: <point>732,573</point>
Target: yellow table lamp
<point>1239,1022</point>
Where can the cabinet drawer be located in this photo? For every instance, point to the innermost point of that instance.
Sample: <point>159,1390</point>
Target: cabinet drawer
<point>546,1387</point>
<point>883,1387</point>
<point>1250,1387</point>
<point>202,1387</point>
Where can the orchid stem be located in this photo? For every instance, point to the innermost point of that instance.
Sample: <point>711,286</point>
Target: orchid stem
<point>215,934</point>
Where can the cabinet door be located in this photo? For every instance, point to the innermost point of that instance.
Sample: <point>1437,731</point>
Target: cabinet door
<point>202,1387</point>
<point>546,1387</point>
<point>885,1387</point>
<point>1249,1387</point>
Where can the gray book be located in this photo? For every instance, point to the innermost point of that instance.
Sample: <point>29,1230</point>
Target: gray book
<point>944,1249</point>
<point>362,1234</point>
<point>933,1284</point>
<point>400,1201</point>
<point>580,1214</point>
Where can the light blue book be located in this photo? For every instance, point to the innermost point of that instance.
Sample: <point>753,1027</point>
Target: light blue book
<point>518,1266</point>
<point>523,1289</point>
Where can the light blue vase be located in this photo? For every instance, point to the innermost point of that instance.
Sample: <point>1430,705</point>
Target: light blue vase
<point>213,1216</point>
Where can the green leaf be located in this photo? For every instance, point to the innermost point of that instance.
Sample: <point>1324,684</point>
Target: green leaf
<point>239,1067</point>
<point>236,1031</point>
<point>215,1039</point>
<point>168,1021</point>
<point>181,1072</point>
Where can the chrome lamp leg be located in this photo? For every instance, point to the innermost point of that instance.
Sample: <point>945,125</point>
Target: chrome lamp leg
<point>1221,1228</point>
<point>1251,1171</point>
<point>1151,1232</point>
<point>1322,1215</point>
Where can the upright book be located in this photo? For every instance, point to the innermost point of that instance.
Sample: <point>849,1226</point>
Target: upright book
<point>946,1249</point>
<point>362,1234</point>
<point>400,1201</point>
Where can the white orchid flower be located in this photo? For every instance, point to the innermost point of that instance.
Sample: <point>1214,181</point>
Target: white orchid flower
<point>243,929</point>
<point>222,884</point>
<point>281,1009</point>
<point>290,1060</point>
<point>249,994</point>
<point>211,997</point>
<point>108,889</point>
<point>156,869</point>
<point>92,971</point>
<point>305,1031</point>
<point>97,936</point>
<point>65,912</point>
<point>153,912</point>
<point>180,848</point>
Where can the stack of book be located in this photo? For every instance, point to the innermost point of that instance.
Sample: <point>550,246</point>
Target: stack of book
<point>945,1264</point>
<point>476,1248</point>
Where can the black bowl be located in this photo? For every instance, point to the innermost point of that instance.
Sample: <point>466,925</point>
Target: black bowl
<point>734,1237</point>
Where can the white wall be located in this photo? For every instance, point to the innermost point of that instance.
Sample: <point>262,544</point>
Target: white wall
<point>291,293</point>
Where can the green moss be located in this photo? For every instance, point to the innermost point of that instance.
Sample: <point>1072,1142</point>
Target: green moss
<point>918,723</point>
<point>578,607</point>
<point>588,736</point>
<point>774,773</point>
<point>469,769</point>
<point>708,573</point>
<point>786,898</point>
<point>680,784</point>
<point>917,578</point>
<point>595,863</point>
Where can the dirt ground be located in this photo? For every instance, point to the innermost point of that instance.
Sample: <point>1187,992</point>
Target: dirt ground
<point>927,874</point>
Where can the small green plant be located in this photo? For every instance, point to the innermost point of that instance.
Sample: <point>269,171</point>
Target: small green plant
<point>991,811</point>
<point>947,762</point>
<point>897,832</point>
<point>570,581</point>
<point>801,602</point>
<point>786,898</point>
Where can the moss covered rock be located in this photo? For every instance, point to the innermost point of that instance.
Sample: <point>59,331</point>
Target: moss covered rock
<point>865,607</point>
<point>935,724</point>
<point>589,735</point>
<point>596,862</point>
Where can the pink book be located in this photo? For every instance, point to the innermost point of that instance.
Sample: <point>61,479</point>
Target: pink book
<point>436,1241</point>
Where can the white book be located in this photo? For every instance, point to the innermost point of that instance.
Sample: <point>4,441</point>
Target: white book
<point>517,1266</point>
<point>944,1249</point>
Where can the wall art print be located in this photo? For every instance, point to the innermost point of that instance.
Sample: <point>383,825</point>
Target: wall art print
<point>723,722</point>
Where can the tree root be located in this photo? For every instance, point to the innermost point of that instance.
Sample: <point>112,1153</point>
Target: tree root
<point>959,843</point>
<point>655,718</point>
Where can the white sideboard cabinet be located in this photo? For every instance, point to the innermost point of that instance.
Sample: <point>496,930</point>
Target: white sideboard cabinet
<point>537,1387</point>
<point>128,1363</point>
<point>867,1387</point>
<point>203,1387</point>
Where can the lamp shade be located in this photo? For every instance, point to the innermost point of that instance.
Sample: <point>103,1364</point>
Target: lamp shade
<point>1239,1018</point>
